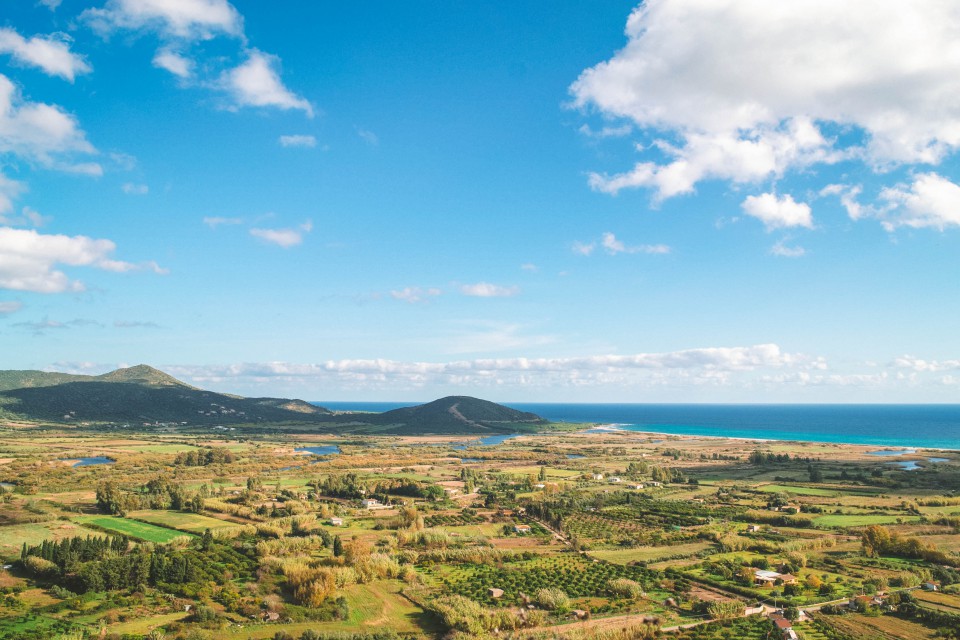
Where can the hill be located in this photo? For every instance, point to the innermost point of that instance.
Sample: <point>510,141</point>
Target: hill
<point>135,395</point>
<point>457,414</point>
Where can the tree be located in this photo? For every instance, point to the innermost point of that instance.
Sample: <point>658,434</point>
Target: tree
<point>543,474</point>
<point>337,547</point>
<point>206,540</point>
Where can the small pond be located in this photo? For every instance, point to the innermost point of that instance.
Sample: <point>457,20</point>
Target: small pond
<point>89,462</point>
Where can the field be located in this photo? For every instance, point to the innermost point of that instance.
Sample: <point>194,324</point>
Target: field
<point>463,547</point>
<point>134,529</point>
<point>187,522</point>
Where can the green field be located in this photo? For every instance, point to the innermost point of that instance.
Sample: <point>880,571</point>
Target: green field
<point>799,491</point>
<point>859,520</point>
<point>132,528</point>
<point>189,522</point>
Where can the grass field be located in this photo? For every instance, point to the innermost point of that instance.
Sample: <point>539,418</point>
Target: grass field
<point>879,628</point>
<point>649,554</point>
<point>13,537</point>
<point>189,522</point>
<point>799,491</point>
<point>859,520</point>
<point>132,528</point>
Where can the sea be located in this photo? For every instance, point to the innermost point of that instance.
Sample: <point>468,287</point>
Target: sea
<point>930,426</point>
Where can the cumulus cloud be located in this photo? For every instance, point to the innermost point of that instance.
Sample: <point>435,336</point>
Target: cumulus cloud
<point>298,141</point>
<point>785,251</point>
<point>40,132</point>
<point>414,295</point>
<point>10,306</point>
<point>133,189</point>
<point>583,248</point>
<point>743,90</point>
<point>613,246</point>
<point>185,19</point>
<point>693,366</point>
<point>920,365</point>
<point>285,238</point>
<point>257,83</point>
<point>929,201</point>
<point>28,217</point>
<point>778,212</point>
<point>487,290</point>
<point>51,54</point>
<point>135,324</point>
<point>29,261</point>
<point>177,64</point>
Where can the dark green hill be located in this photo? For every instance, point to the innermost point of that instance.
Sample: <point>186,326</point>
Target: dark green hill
<point>135,395</point>
<point>457,414</point>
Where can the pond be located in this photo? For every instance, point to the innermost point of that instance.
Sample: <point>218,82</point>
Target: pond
<point>935,460</point>
<point>574,456</point>
<point>89,462</point>
<point>906,465</point>
<point>892,452</point>
<point>324,450</point>
<point>470,460</point>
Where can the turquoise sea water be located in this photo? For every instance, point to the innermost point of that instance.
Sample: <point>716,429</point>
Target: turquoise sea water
<point>912,426</point>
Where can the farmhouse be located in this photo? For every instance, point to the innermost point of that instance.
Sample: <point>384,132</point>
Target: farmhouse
<point>522,528</point>
<point>372,504</point>
<point>931,586</point>
<point>336,522</point>
<point>638,487</point>
<point>493,592</point>
<point>614,480</point>
<point>597,476</point>
<point>764,577</point>
<point>753,528</point>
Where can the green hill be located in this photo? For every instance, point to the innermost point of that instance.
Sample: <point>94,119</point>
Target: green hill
<point>137,394</point>
<point>457,414</point>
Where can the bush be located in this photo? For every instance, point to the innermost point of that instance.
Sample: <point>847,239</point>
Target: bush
<point>553,599</point>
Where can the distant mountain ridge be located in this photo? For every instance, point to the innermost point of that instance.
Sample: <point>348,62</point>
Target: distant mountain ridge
<point>143,394</point>
<point>136,394</point>
<point>458,414</point>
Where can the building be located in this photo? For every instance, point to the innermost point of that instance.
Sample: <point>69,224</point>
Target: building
<point>931,586</point>
<point>522,528</point>
<point>336,522</point>
<point>614,480</point>
<point>638,487</point>
<point>493,592</point>
<point>372,504</point>
<point>753,528</point>
<point>597,476</point>
<point>763,577</point>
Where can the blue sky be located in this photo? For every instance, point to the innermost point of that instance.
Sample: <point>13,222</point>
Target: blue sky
<point>678,201</point>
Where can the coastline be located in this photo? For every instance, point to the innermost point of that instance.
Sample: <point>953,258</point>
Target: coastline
<point>914,448</point>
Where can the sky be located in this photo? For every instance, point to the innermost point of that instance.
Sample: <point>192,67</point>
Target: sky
<point>676,201</point>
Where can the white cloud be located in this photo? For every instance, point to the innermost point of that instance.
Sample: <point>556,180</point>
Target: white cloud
<point>133,189</point>
<point>529,266</point>
<point>257,83</point>
<point>50,53</point>
<point>715,366</point>
<point>582,248</point>
<point>740,90</point>
<point>298,141</point>
<point>40,132</point>
<point>285,238</point>
<point>930,201</point>
<point>29,260</point>
<point>215,221</point>
<point>178,65</point>
<point>9,306</point>
<point>186,19</point>
<point>848,195</point>
<point>27,217</point>
<point>9,191</point>
<point>51,4</point>
<point>414,295</point>
<point>369,137</point>
<point>606,131</point>
<point>614,246</point>
<point>776,212</point>
<point>784,251</point>
<point>920,365</point>
<point>487,290</point>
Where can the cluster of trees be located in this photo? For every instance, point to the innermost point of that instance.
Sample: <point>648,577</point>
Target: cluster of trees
<point>204,457</point>
<point>351,485</point>
<point>109,563</point>
<point>158,493</point>
<point>760,458</point>
<point>877,540</point>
